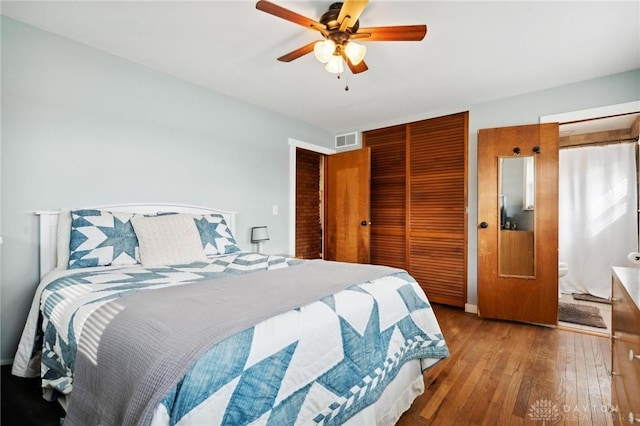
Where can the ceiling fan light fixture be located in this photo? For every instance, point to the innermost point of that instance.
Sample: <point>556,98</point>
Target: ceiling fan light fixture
<point>324,50</point>
<point>335,65</point>
<point>337,26</point>
<point>355,52</point>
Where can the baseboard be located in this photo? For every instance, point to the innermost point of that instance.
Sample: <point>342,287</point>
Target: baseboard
<point>6,361</point>
<point>469,308</point>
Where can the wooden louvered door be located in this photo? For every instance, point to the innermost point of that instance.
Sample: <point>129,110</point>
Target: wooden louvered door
<point>418,203</point>
<point>437,225</point>
<point>388,196</point>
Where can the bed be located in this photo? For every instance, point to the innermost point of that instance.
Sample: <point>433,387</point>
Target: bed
<point>152,314</point>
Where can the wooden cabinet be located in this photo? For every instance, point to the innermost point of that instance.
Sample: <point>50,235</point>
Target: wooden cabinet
<point>516,253</point>
<point>625,350</point>
<point>419,203</point>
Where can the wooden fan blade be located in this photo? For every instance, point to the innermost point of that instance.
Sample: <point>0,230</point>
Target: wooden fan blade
<point>288,15</point>
<point>307,48</point>
<point>355,69</point>
<point>350,12</point>
<point>398,33</point>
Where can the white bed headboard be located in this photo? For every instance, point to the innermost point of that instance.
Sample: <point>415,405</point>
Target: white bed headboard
<point>49,224</point>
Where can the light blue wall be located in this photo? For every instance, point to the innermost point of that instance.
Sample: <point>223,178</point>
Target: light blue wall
<point>527,109</point>
<point>81,127</point>
<point>524,109</point>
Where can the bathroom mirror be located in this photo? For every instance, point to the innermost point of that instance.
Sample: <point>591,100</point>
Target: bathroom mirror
<point>516,209</point>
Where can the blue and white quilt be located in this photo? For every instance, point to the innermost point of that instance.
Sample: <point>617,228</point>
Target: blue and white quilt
<point>318,364</point>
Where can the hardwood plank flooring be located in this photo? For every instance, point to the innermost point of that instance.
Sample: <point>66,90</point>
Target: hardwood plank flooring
<point>499,373</point>
<point>504,373</point>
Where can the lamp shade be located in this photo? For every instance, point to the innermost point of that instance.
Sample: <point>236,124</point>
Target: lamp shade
<point>259,233</point>
<point>335,64</point>
<point>324,50</point>
<point>355,52</point>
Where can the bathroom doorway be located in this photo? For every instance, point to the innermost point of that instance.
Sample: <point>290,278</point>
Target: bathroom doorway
<point>598,213</point>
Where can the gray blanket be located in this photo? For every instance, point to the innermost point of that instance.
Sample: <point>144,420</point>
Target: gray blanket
<point>133,351</point>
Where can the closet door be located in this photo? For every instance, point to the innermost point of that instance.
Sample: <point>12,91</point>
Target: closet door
<point>437,224</point>
<point>388,195</point>
<point>418,203</point>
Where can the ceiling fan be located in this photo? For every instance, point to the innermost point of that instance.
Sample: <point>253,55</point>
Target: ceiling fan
<point>339,26</point>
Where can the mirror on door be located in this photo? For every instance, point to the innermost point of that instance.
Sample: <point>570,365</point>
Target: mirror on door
<point>516,206</point>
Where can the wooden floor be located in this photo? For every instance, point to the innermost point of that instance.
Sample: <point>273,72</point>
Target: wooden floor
<point>503,373</point>
<point>499,373</point>
<point>23,405</point>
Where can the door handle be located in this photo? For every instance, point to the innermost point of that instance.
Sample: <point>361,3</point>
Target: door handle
<point>484,225</point>
<point>365,223</point>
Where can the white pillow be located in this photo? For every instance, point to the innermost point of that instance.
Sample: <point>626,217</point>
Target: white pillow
<point>168,240</point>
<point>62,240</point>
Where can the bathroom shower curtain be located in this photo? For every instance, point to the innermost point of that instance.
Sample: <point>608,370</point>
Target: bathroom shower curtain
<point>598,223</point>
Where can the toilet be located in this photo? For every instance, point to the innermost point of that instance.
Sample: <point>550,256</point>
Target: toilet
<point>563,268</point>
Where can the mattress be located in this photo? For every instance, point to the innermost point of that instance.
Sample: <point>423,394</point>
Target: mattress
<point>335,360</point>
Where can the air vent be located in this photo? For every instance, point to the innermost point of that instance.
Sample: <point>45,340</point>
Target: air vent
<point>348,139</point>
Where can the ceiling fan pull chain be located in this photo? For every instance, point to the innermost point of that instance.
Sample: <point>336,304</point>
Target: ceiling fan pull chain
<point>346,83</point>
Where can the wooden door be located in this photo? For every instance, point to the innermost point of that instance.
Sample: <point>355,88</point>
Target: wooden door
<point>347,206</point>
<point>419,200</point>
<point>437,220</point>
<point>534,298</point>
<point>388,195</point>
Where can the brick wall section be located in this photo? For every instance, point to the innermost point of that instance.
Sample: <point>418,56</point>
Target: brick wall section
<point>307,204</point>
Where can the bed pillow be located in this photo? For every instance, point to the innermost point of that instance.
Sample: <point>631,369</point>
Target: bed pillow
<point>102,238</point>
<point>168,240</point>
<point>215,235</point>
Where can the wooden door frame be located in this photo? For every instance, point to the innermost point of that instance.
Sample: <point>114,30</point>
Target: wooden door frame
<point>293,145</point>
<point>591,113</point>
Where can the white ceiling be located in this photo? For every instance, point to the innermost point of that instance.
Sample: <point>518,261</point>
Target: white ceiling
<point>473,52</point>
